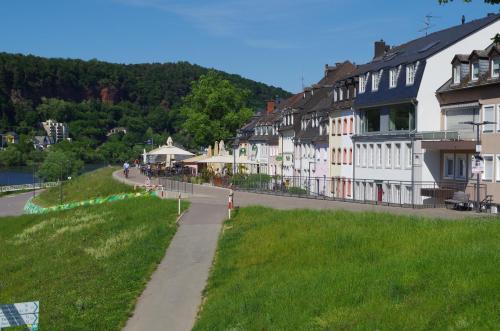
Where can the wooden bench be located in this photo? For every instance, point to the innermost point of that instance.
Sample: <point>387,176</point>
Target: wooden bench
<point>460,200</point>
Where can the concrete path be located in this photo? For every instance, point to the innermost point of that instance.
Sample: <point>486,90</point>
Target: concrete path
<point>13,204</point>
<point>173,296</point>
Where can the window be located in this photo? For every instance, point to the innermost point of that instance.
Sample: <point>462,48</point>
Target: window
<point>495,68</point>
<point>488,167</point>
<point>461,166</point>
<point>351,127</point>
<point>371,159</point>
<point>489,115</point>
<point>455,119</point>
<point>371,120</point>
<point>375,81</point>
<point>393,77</point>
<point>339,127</point>
<point>449,166</point>
<point>350,155</point>
<point>456,74</point>
<point>397,155</point>
<point>357,154</point>
<point>498,167</point>
<point>475,70</point>
<point>379,155</point>
<point>408,155</point>
<point>341,94</point>
<point>410,73</point>
<point>333,156</point>
<point>402,118</point>
<point>362,84</point>
<point>363,157</point>
<point>339,156</point>
<point>335,95</point>
<point>388,155</point>
<point>349,187</point>
<point>346,130</point>
<point>347,92</point>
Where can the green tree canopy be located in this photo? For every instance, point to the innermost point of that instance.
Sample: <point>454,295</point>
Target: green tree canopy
<point>214,109</point>
<point>59,165</point>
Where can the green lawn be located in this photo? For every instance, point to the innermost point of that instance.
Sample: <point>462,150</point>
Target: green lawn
<point>98,183</point>
<point>307,270</point>
<point>88,265</point>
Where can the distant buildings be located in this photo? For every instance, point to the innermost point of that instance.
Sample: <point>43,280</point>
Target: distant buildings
<point>56,131</point>
<point>116,130</point>
<point>9,138</point>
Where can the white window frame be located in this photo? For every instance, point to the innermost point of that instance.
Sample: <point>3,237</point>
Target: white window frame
<point>397,155</point>
<point>497,60</point>
<point>341,94</point>
<point>489,127</point>
<point>358,153</point>
<point>362,84</point>
<point>492,168</point>
<point>497,167</point>
<point>371,158</point>
<point>456,74</point>
<point>364,155</point>
<point>379,156</point>
<point>393,77</point>
<point>408,158</point>
<point>375,81</point>
<point>498,117</point>
<point>446,158</point>
<point>388,155</point>
<point>458,157</point>
<point>473,67</point>
<point>411,69</point>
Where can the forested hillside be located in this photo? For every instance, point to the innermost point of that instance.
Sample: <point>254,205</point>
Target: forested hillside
<point>95,96</point>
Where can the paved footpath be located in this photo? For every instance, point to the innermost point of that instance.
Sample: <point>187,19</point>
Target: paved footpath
<point>173,295</point>
<point>13,204</point>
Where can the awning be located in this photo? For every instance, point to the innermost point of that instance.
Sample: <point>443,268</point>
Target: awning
<point>454,145</point>
<point>461,106</point>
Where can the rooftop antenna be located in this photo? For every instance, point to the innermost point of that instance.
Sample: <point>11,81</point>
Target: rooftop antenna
<point>428,24</point>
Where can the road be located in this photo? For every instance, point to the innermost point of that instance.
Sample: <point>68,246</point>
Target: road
<point>13,205</point>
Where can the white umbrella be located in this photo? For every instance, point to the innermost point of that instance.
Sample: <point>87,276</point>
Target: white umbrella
<point>169,150</point>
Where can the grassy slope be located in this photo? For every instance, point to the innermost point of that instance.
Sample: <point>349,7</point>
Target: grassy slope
<point>289,270</point>
<point>88,265</point>
<point>94,184</point>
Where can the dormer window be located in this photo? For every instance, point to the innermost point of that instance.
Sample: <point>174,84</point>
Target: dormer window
<point>335,95</point>
<point>495,68</point>
<point>475,70</point>
<point>456,74</point>
<point>362,84</point>
<point>375,81</point>
<point>410,73</point>
<point>393,78</point>
<point>341,94</point>
<point>348,93</point>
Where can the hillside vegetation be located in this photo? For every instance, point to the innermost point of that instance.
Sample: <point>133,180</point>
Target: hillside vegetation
<point>94,97</point>
<point>308,270</point>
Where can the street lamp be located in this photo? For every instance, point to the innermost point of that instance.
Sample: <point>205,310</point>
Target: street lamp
<point>477,125</point>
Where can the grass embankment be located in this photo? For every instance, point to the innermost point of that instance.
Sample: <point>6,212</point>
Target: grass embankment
<point>306,270</point>
<point>88,265</point>
<point>98,183</point>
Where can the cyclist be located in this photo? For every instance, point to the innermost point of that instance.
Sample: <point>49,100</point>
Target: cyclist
<point>126,167</point>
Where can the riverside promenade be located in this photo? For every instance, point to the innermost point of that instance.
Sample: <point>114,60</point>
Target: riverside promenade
<point>174,294</point>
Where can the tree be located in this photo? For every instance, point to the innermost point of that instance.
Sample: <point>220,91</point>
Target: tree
<point>486,1</point>
<point>59,165</point>
<point>214,109</point>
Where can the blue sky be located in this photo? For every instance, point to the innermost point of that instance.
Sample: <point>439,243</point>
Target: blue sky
<point>272,41</point>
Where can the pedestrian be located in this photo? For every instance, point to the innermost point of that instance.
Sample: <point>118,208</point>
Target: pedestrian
<point>149,171</point>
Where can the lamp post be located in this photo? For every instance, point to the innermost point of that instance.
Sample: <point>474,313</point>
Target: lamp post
<point>235,147</point>
<point>477,125</point>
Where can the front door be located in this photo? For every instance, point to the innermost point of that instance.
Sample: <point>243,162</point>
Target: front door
<point>380,193</point>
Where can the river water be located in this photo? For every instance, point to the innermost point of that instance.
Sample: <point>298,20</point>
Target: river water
<point>24,175</point>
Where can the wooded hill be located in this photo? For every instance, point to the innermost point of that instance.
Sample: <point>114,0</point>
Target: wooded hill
<point>99,95</point>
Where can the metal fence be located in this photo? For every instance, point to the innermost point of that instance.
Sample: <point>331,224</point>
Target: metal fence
<point>368,191</point>
<point>176,184</point>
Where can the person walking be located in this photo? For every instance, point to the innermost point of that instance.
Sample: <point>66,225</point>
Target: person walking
<point>149,171</point>
<point>126,167</point>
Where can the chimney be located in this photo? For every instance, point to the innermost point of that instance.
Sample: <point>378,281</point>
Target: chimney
<point>380,48</point>
<point>270,106</point>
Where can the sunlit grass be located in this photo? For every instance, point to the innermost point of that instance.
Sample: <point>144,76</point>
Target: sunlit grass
<point>86,266</point>
<point>308,270</point>
<point>98,183</point>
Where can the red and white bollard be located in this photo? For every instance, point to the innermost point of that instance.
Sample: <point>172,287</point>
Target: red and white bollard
<point>230,203</point>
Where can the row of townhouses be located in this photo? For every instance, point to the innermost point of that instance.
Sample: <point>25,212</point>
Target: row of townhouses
<point>393,129</point>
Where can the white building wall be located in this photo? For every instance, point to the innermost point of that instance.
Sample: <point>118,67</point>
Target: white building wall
<point>437,72</point>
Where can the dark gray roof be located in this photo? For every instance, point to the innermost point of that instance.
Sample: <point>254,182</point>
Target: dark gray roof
<point>424,47</point>
<point>417,50</point>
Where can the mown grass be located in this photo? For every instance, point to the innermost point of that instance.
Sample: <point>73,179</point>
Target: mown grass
<point>307,270</point>
<point>98,183</point>
<point>88,265</point>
